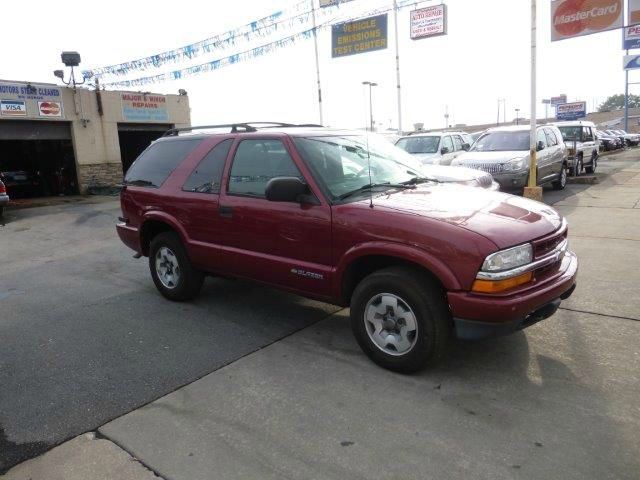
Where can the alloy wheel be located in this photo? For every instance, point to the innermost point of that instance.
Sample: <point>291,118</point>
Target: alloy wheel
<point>167,267</point>
<point>391,324</point>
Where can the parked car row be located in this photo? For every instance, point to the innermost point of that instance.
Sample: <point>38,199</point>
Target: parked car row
<point>628,139</point>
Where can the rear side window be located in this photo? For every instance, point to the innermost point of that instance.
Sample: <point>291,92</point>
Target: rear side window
<point>447,143</point>
<point>207,175</point>
<point>256,162</point>
<point>158,161</point>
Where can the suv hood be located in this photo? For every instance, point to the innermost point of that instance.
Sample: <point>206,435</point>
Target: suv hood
<point>426,158</point>
<point>506,220</point>
<point>446,173</point>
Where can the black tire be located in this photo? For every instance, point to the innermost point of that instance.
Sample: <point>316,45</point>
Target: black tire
<point>426,300</point>
<point>562,179</point>
<point>577,167</point>
<point>594,164</point>
<point>189,280</point>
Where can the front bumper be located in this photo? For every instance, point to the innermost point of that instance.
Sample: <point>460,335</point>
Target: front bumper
<point>481,316</point>
<point>4,200</point>
<point>509,181</point>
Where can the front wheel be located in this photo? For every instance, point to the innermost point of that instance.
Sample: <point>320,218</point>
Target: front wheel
<point>171,270</point>
<point>400,319</point>
<point>594,164</point>
<point>577,167</point>
<point>562,179</point>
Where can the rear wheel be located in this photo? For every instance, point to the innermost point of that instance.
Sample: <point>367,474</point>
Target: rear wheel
<point>400,319</point>
<point>562,178</point>
<point>171,270</point>
<point>594,163</point>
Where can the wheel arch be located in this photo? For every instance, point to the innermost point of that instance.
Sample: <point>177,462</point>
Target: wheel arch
<point>155,223</point>
<point>364,260</point>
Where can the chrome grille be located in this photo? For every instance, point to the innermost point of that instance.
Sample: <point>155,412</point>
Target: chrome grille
<point>491,168</point>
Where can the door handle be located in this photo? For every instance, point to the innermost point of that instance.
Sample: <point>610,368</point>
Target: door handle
<point>225,212</point>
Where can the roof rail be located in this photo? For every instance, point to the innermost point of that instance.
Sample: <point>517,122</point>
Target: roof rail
<point>235,127</point>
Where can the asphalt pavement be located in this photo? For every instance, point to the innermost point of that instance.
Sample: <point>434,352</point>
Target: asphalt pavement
<point>86,339</point>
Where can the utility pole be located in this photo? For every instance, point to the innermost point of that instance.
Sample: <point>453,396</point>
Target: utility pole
<point>532,190</point>
<point>315,42</point>
<point>395,17</point>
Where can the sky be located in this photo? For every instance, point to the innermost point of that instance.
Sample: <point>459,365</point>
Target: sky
<point>484,56</point>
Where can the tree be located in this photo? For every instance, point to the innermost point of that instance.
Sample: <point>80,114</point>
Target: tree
<point>616,102</point>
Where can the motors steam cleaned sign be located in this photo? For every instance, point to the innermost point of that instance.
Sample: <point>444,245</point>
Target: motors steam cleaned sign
<point>139,107</point>
<point>30,100</point>
<point>361,36</point>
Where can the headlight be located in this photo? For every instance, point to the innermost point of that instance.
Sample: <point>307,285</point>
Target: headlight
<point>515,164</point>
<point>508,259</point>
<point>455,162</point>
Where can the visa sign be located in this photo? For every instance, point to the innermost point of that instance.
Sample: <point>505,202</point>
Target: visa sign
<point>13,108</point>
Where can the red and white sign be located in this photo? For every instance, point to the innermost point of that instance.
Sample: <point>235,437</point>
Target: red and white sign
<point>50,109</point>
<point>559,99</point>
<point>574,18</point>
<point>428,22</point>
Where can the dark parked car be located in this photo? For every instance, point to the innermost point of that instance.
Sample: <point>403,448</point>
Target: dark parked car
<point>4,198</point>
<point>418,262</point>
<point>21,183</point>
<point>608,142</point>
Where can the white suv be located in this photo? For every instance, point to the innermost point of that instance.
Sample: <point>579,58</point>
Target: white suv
<point>434,148</point>
<point>582,145</point>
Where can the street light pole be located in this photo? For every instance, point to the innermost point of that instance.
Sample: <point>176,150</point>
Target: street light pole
<point>371,85</point>
<point>315,41</point>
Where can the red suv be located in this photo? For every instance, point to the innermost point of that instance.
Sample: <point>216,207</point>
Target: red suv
<point>343,217</point>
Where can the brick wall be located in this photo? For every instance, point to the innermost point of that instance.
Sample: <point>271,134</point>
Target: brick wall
<point>99,175</point>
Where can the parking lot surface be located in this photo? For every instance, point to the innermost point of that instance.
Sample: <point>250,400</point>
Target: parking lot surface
<point>87,339</point>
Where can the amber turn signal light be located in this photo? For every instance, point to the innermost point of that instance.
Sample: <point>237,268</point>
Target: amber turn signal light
<point>497,286</point>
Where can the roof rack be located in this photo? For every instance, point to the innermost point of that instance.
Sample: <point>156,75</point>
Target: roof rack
<point>236,127</point>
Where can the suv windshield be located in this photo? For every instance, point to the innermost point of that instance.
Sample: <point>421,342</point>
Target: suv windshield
<point>419,144</point>
<point>502,142</point>
<point>571,133</point>
<point>341,163</point>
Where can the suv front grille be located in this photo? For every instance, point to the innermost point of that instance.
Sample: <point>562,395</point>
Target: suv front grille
<point>545,245</point>
<point>491,168</point>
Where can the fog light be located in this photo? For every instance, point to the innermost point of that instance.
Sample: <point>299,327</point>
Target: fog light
<point>497,286</point>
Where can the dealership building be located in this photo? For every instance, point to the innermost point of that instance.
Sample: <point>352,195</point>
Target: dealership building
<point>70,141</point>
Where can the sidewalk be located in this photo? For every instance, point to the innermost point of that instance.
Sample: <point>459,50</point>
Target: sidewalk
<point>559,400</point>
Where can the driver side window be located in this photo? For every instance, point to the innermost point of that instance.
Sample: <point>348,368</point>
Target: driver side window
<point>447,143</point>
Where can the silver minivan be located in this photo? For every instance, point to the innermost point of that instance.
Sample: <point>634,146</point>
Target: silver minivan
<point>504,153</point>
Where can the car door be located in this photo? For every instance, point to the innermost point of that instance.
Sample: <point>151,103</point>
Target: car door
<point>282,243</point>
<point>543,157</point>
<point>556,156</point>
<point>447,145</point>
<point>199,204</point>
<point>590,145</point>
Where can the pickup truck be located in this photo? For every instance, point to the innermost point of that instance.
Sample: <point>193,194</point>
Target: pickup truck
<point>418,262</point>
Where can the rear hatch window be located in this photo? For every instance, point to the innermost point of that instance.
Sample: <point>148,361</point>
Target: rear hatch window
<point>158,161</point>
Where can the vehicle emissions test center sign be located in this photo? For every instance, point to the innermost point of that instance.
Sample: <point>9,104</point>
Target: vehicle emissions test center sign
<point>574,18</point>
<point>428,22</point>
<point>361,36</point>
<point>138,107</point>
<point>571,111</point>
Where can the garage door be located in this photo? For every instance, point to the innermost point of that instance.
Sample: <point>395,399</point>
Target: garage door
<point>34,130</point>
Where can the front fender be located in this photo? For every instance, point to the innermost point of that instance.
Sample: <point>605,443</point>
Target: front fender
<point>403,252</point>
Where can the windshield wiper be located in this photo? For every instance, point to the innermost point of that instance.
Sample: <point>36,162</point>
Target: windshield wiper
<point>140,183</point>
<point>370,186</point>
<point>417,180</point>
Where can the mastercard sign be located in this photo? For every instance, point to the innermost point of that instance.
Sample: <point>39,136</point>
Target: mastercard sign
<point>574,18</point>
<point>50,109</point>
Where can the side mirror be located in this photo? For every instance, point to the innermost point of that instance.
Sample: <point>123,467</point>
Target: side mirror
<point>444,150</point>
<point>541,145</point>
<point>287,189</point>
<point>466,147</point>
